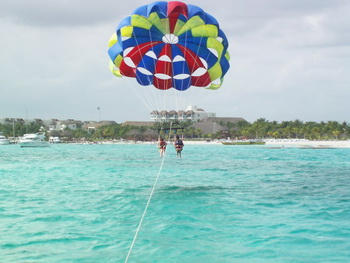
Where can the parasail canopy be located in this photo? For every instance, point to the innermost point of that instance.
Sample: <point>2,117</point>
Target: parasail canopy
<point>170,45</point>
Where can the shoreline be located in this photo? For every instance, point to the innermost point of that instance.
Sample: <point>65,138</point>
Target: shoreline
<point>310,144</point>
<point>281,143</point>
<point>268,143</point>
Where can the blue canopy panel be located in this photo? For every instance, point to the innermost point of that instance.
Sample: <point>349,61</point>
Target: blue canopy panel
<point>148,62</point>
<point>189,38</point>
<point>202,52</point>
<point>114,51</point>
<point>141,36</point>
<point>223,36</point>
<point>182,18</point>
<point>153,33</point>
<point>224,65</point>
<point>133,42</point>
<point>142,11</point>
<point>182,83</point>
<point>161,7</point>
<point>125,22</point>
<point>158,48</point>
<point>181,71</point>
<point>144,79</point>
<point>195,11</point>
<point>209,19</point>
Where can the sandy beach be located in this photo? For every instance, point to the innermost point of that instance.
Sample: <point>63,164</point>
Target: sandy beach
<point>272,143</point>
<point>311,144</point>
<point>287,143</point>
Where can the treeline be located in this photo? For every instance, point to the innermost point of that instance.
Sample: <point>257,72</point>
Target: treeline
<point>259,129</point>
<point>263,128</point>
<point>18,129</point>
<point>129,132</point>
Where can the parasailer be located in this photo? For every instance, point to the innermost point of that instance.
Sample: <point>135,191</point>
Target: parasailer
<point>178,146</point>
<point>170,45</point>
<point>162,146</point>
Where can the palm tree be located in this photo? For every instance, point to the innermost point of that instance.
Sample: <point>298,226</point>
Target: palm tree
<point>198,132</point>
<point>295,130</point>
<point>315,133</point>
<point>336,133</point>
<point>260,127</point>
<point>276,134</point>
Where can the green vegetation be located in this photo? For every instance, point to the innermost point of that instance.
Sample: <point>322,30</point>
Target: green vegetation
<point>119,131</point>
<point>258,129</point>
<point>296,129</point>
<point>18,129</point>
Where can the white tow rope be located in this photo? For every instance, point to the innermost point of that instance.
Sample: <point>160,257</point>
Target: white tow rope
<point>147,204</point>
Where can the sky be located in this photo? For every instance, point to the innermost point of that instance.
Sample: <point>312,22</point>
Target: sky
<point>289,60</point>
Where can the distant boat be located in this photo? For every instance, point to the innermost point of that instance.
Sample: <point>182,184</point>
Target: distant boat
<point>33,140</point>
<point>244,142</point>
<point>54,140</point>
<point>3,139</point>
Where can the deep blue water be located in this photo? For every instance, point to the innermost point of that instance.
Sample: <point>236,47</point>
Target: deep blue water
<point>83,203</point>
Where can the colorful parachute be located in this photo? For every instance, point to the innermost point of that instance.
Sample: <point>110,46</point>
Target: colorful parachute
<point>170,45</point>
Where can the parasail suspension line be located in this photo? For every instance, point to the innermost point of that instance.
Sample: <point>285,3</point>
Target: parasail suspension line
<point>147,204</point>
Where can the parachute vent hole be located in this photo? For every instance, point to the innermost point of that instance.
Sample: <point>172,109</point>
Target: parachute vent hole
<point>170,39</point>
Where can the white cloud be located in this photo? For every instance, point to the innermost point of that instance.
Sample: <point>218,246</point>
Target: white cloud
<point>289,59</point>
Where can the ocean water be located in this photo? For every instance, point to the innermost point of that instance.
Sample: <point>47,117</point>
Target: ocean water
<point>83,203</point>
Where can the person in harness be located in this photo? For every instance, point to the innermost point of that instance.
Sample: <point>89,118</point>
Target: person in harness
<point>161,147</point>
<point>178,146</point>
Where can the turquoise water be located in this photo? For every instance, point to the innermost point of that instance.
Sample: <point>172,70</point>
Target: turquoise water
<point>82,203</point>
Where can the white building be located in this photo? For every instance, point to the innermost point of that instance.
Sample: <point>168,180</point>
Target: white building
<point>70,124</point>
<point>192,113</point>
<point>199,114</point>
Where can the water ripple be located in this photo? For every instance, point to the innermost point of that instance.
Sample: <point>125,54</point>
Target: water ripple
<point>82,203</point>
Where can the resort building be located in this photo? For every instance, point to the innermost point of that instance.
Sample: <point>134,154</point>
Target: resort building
<point>93,125</point>
<point>192,113</point>
<point>56,125</point>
